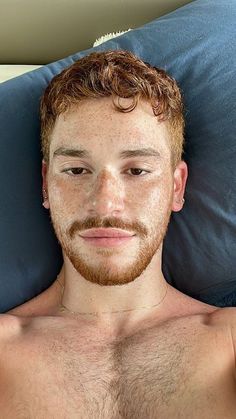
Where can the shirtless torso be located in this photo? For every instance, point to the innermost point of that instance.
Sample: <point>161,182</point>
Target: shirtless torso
<point>182,367</point>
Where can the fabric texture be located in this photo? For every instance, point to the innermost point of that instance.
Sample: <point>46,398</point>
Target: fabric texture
<point>196,45</point>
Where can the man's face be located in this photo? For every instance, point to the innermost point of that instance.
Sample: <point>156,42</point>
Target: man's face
<point>133,193</point>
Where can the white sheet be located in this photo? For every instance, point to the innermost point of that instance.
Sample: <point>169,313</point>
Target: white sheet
<point>9,71</point>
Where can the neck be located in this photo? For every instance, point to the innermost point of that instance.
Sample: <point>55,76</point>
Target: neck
<point>147,297</point>
<point>96,314</point>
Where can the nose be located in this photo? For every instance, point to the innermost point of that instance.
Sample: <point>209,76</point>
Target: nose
<point>107,195</point>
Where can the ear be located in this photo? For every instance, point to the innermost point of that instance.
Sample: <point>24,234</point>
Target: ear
<point>44,185</point>
<point>180,178</point>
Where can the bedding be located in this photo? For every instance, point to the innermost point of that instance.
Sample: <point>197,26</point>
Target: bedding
<point>196,45</point>
<point>9,71</point>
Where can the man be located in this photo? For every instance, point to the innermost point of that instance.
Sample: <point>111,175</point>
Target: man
<point>111,338</point>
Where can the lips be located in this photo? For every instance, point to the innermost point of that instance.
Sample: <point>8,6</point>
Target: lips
<point>106,232</point>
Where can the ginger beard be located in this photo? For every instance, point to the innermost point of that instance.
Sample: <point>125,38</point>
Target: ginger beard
<point>112,266</point>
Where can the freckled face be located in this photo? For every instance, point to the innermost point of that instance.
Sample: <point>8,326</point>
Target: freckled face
<point>106,189</point>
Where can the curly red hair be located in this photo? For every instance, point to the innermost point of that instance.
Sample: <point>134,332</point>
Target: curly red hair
<point>115,73</point>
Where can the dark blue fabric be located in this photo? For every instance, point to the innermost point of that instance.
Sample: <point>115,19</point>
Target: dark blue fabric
<point>195,44</point>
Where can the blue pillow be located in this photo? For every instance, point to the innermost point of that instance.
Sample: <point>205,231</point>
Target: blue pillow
<point>196,45</point>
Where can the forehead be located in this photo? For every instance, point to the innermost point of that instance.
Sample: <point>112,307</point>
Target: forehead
<point>96,123</point>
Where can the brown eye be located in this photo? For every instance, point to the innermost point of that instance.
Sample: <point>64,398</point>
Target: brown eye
<point>75,171</point>
<point>136,171</point>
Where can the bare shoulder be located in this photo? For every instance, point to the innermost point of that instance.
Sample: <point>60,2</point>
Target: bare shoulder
<point>225,318</point>
<point>9,325</point>
<point>8,320</point>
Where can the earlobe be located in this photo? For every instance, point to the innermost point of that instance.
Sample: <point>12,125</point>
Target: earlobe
<point>45,195</point>
<point>45,204</point>
<point>45,199</point>
<point>180,178</point>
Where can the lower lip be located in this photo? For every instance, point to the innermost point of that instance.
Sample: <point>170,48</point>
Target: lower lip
<point>107,241</point>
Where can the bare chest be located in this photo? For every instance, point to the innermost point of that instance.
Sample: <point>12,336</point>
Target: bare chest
<point>182,369</point>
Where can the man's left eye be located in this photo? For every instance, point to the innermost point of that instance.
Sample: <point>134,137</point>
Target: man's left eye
<point>135,170</point>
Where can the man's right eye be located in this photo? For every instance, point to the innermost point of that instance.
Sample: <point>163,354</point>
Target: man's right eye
<point>74,170</point>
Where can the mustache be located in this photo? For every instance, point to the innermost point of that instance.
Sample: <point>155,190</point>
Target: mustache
<point>95,222</point>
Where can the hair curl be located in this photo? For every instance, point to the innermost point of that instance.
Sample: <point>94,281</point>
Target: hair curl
<point>115,73</point>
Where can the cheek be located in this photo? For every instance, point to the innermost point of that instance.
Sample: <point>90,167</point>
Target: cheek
<point>65,198</point>
<point>157,199</point>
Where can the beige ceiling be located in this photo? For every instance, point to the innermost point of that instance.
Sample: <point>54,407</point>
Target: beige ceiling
<point>42,31</point>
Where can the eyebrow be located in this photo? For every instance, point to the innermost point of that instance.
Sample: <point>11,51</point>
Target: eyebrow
<point>80,153</point>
